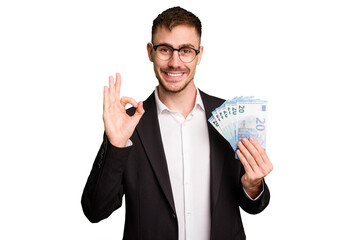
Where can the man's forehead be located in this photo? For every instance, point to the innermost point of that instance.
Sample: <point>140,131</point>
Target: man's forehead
<point>179,35</point>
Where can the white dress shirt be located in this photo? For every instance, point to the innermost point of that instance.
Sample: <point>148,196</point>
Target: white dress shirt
<point>187,151</point>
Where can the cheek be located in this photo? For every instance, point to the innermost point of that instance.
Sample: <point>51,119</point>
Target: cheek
<point>156,65</point>
<point>157,62</point>
<point>192,67</point>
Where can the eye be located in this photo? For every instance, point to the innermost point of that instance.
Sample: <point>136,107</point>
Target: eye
<point>164,49</point>
<point>186,51</point>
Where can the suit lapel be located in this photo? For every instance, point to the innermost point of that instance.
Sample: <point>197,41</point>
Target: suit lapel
<point>149,132</point>
<point>216,157</point>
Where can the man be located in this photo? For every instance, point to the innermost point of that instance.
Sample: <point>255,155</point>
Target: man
<point>178,174</point>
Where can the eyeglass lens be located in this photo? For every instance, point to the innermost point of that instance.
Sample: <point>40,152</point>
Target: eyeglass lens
<point>166,52</point>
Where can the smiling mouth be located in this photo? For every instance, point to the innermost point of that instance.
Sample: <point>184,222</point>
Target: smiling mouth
<point>174,74</point>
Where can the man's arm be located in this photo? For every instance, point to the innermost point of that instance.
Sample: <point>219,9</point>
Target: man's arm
<point>256,165</point>
<point>103,190</point>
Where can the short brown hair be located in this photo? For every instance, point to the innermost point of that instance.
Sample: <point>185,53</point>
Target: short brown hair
<point>173,17</point>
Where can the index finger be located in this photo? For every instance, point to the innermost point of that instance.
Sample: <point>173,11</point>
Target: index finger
<point>126,100</point>
<point>259,148</point>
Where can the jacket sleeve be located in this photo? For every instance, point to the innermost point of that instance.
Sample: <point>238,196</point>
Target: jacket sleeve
<point>104,188</point>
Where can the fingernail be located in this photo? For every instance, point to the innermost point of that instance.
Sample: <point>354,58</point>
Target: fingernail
<point>251,139</point>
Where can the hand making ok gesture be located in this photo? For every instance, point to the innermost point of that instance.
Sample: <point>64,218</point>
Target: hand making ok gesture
<point>119,126</point>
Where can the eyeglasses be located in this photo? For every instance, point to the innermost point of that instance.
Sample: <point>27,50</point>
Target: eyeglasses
<point>165,52</point>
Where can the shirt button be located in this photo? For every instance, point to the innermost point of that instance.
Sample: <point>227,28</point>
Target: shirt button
<point>188,213</point>
<point>173,215</point>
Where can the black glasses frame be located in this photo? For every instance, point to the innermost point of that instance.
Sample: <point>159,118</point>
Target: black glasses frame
<point>176,49</point>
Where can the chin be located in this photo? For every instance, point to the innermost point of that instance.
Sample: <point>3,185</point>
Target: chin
<point>174,88</point>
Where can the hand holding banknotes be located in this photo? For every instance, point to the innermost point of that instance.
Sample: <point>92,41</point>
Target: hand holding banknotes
<point>242,121</point>
<point>256,163</point>
<point>119,126</point>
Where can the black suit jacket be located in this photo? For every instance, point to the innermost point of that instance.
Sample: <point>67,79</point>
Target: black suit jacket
<point>140,173</point>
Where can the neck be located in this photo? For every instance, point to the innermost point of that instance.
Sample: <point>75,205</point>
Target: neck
<point>182,102</point>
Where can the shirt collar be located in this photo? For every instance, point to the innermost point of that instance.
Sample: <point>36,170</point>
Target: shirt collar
<point>162,107</point>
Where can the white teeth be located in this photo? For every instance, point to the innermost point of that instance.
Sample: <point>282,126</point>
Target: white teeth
<point>174,74</point>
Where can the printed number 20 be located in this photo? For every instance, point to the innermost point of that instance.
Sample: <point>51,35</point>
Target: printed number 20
<point>260,124</point>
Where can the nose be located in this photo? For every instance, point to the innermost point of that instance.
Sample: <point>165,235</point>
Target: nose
<point>175,61</point>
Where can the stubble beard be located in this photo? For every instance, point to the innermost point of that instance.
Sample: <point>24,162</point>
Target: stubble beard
<point>171,91</point>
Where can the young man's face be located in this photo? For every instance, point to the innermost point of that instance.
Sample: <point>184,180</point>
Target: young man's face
<point>175,75</point>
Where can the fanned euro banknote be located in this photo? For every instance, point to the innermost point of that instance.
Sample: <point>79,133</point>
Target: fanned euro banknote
<point>241,117</point>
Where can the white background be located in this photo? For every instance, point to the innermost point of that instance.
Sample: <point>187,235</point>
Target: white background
<point>303,56</point>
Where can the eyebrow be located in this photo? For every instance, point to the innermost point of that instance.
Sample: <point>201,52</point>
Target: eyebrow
<point>180,46</point>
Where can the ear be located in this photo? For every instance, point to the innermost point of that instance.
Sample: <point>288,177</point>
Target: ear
<point>199,56</point>
<point>149,50</point>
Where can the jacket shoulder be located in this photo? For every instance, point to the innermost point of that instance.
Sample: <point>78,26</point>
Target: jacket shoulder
<point>211,101</point>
